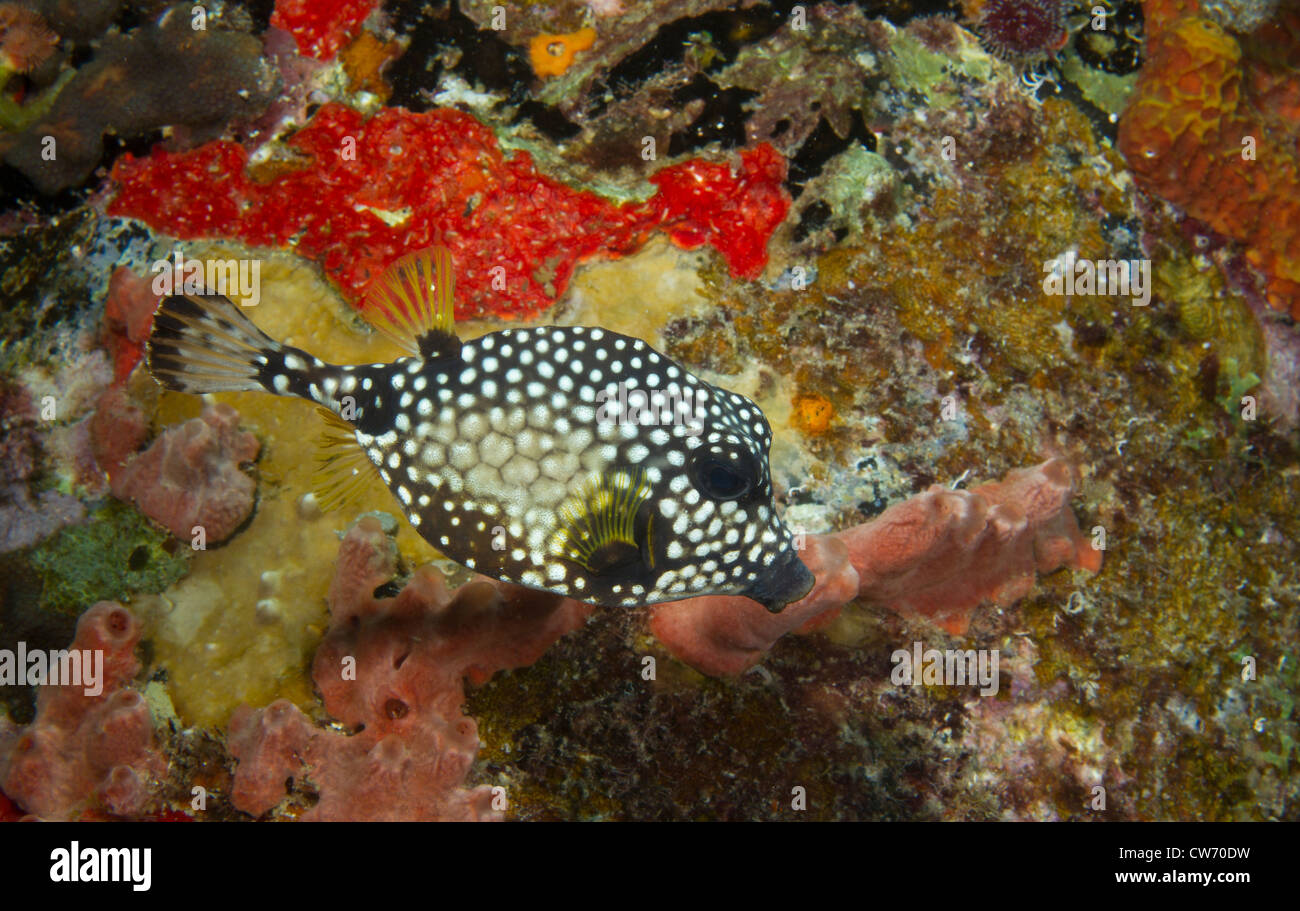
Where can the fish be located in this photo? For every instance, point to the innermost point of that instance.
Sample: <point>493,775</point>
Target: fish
<point>570,459</point>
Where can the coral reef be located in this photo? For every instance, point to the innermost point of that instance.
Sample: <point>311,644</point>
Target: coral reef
<point>189,477</point>
<point>938,555</point>
<point>1212,127</point>
<point>113,555</point>
<point>128,89</point>
<point>392,669</point>
<point>899,336</point>
<point>516,235</point>
<point>321,27</point>
<point>86,755</point>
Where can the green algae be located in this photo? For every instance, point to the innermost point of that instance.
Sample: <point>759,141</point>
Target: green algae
<point>117,552</point>
<point>1108,91</point>
<point>913,66</point>
<point>1239,381</point>
<point>852,182</point>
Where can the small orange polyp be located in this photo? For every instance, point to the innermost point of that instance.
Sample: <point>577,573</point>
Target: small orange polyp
<point>551,55</point>
<point>812,414</point>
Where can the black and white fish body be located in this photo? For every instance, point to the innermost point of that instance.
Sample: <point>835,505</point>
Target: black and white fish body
<point>570,459</point>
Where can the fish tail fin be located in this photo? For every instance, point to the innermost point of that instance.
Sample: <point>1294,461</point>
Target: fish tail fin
<point>205,344</point>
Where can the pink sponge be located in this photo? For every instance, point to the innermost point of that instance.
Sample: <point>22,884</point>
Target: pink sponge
<point>723,634</point>
<point>943,553</point>
<point>189,476</point>
<point>938,555</point>
<point>86,752</point>
<point>394,669</point>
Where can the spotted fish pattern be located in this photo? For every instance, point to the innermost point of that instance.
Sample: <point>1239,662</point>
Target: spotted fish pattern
<point>571,459</point>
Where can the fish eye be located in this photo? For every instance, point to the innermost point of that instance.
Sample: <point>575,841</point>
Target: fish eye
<point>722,478</point>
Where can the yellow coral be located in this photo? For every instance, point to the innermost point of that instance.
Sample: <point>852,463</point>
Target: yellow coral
<point>243,625</point>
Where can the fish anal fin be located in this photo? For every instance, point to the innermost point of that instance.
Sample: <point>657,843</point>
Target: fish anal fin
<point>343,473</point>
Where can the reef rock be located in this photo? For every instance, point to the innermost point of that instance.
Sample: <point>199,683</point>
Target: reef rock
<point>25,517</point>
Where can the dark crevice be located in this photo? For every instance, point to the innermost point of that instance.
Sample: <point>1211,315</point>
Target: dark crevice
<point>820,147</point>
<point>722,119</point>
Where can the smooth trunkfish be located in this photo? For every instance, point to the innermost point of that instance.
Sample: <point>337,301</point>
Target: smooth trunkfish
<point>570,459</point>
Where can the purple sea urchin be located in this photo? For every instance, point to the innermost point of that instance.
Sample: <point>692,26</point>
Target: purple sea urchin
<point>1023,31</point>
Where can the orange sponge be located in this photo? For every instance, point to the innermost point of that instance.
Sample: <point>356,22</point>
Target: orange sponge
<point>551,55</point>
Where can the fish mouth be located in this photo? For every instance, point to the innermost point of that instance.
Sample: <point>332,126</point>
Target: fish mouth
<point>785,582</point>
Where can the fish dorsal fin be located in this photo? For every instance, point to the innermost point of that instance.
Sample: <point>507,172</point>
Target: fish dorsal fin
<point>597,524</point>
<point>412,302</point>
<point>342,470</point>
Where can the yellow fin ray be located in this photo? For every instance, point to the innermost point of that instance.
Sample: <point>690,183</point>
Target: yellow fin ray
<point>412,302</point>
<point>342,469</point>
<point>597,523</point>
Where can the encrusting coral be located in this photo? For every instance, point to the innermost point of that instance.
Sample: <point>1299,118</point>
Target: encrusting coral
<point>86,755</point>
<point>1212,127</point>
<point>128,89</point>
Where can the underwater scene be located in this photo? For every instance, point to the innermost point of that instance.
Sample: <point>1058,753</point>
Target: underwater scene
<point>683,410</point>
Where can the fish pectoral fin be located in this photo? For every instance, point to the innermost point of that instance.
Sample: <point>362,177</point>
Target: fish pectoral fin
<point>597,524</point>
<point>343,474</point>
<point>412,303</point>
<point>611,557</point>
